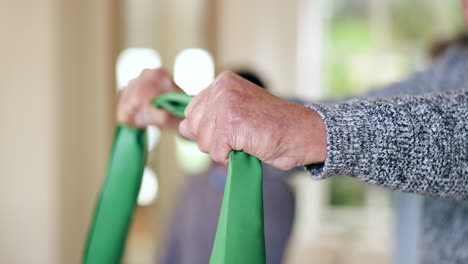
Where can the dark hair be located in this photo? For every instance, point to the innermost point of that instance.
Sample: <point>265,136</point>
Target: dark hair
<point>439,49</point>
<point>251,77</point>
<point>462,40</point>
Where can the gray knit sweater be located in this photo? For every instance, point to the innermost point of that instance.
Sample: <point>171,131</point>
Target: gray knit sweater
<point>415,143</point>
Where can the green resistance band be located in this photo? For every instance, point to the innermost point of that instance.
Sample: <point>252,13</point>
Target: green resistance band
<point>240,234</point>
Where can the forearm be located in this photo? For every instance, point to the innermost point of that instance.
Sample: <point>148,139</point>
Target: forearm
<point>416,144</point>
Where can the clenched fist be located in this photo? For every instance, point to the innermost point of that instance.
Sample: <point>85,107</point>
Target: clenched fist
<point>234,114</point>
<point>134,106</point>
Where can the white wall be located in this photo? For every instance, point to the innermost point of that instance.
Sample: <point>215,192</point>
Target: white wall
<point>27,160</point>
<point>56,93</point>
<point>260,35</point>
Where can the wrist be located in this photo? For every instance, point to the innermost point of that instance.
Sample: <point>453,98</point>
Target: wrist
<point>314,137</point>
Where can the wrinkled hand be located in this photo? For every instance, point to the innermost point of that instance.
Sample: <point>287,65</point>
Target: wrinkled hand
<point>234,114</point>
<point>134,106</point>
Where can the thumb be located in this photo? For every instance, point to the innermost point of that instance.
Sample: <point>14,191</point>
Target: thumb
<point>149,115</point>
<point>184,130</point>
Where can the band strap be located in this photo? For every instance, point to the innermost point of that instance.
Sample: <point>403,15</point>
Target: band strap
<point>240,235</point>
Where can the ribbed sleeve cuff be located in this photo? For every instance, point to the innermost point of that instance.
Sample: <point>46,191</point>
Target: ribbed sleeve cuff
<point>356,137</point>
<point>341,136</point>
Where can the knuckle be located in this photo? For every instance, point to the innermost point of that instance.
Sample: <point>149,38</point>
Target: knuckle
<point>202,146</point>
<point>121,118</point>
<point>153,74</point>
<point>229,98</point>
<point>204,142</point>
<point>225,79</point>
<point>145,73</point>
<point>230,113</point>
<point>217,154</point>
<point>132,88</point>
<point>131,110</point>
<point>162,118</point>
<point>154,81</point>
<point>226,75</point>
<point>231,95</point>
<point>133,82</point>
<point>120,98</point>
<point>157,74</point>
<point>216,157</point>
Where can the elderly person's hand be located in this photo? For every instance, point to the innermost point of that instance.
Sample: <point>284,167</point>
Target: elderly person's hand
<point>234,114</point>
<point>134,106</point>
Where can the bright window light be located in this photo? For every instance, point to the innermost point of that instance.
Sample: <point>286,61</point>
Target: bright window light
<point>134,60</point>
<point>149,188</point>
<point>194,70</point>
<point>190,158</point>
<point>152,135</point>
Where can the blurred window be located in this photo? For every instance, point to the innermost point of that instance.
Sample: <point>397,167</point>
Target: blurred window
<point>132,61</point>
<point>149,188</point>
<point>194,70</point>
<point>371,43</point>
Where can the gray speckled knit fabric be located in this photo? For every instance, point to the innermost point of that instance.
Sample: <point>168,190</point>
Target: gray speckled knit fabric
<point>415,143</point>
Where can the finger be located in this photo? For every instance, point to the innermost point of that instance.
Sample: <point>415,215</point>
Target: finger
<point>130,100</point>
<point>184,130</point>
<point>127,112</point>
<point>205,136</point>
<point>148,115</point>
<point>220,152</point>
<point>189,109</point>
<point>196,102</point>
<point>121,106</point>
<point>122,116</point>
<point>191,125</point>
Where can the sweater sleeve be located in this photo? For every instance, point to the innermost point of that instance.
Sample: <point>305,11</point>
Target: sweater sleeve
<point>416,144</point>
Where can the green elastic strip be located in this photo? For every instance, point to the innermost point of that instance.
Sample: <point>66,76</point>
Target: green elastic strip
<point>240,234</point>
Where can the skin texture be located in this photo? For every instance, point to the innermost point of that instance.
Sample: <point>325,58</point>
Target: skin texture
<point>231,114</point>
<point>234,114</point>
<point>134,103</point>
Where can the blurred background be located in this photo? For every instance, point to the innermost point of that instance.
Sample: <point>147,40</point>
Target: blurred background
<point>62,63</point>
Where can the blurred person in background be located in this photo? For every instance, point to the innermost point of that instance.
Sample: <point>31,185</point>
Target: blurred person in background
<point>193,226</point>
<point>411,136</point>
<point>440,49</point>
